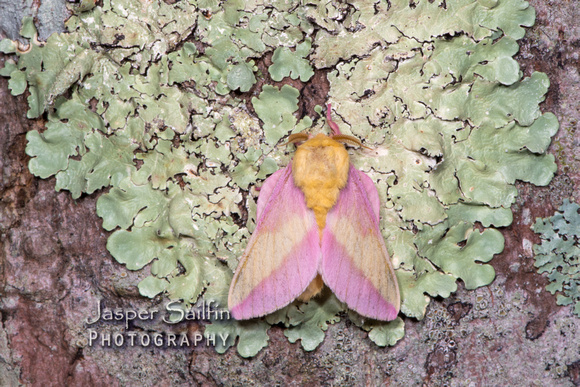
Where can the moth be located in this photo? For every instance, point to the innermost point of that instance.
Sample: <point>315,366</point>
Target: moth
<point>317,223</point>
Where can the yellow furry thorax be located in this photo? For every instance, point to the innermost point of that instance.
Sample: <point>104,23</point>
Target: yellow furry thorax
<point>320,169</point>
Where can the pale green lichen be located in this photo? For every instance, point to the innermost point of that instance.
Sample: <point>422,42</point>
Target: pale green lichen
<point>142,98</point>
<point>309,321</point>
<point>275,108</point>
<point>293,64</point>
<point>559,253</point>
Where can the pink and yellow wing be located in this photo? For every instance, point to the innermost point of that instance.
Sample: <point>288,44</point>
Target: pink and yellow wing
<point>355,262</point>
<point>283,253</point>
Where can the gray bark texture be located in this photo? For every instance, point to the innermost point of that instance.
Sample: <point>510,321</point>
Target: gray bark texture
<point>55,267</point>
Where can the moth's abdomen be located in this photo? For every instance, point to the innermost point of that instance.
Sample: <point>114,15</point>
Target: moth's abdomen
<point>320,169</point>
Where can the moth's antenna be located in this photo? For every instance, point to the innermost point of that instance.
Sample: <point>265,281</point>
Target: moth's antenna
<point>333,125</point>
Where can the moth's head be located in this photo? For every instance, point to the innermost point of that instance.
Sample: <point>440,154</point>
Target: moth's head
<point>301,138</point>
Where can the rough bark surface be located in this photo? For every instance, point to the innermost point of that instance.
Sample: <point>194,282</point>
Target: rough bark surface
<point>55,267</point>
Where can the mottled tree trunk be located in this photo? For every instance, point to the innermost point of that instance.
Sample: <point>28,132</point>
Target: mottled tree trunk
<point>55,268</point>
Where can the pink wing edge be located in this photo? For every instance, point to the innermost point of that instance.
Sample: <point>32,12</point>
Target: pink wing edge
<point>278,196</point>
<point>338,269</point>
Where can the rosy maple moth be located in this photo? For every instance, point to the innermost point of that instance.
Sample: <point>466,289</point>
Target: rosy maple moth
<point>318,223</point>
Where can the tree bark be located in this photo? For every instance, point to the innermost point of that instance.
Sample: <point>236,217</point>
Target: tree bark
<point>55,269</point>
